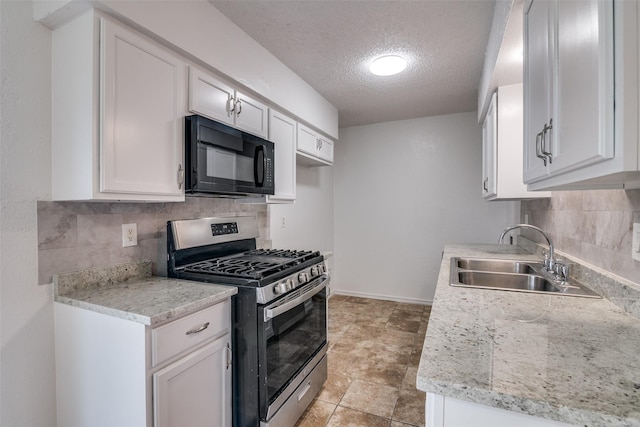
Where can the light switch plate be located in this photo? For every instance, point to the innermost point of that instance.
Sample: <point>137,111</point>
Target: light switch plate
<point>635,242</point>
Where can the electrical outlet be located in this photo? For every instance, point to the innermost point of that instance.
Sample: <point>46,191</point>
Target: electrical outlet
<point>635,242</point>
<point>129,235</point>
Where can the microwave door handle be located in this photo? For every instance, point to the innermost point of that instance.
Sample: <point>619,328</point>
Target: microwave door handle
<point>260,160</point>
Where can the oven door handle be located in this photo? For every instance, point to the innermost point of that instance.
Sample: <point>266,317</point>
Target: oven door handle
<point>270,313</point>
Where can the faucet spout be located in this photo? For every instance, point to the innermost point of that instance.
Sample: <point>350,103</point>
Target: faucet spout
<point>548,264</point>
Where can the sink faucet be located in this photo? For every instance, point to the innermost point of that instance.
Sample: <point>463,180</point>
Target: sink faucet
<point>549,263</point>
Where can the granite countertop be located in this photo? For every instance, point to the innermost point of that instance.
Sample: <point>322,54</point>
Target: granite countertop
<point>128,291</point>
<point>574,360</point>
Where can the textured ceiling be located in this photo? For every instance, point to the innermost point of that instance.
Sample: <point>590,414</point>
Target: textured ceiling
<point>330,44</point>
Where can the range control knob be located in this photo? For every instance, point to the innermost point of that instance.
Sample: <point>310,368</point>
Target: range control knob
<point>314,271</point>
<point>302,277</point>
<point>290,284</point>
<point>280,288</point>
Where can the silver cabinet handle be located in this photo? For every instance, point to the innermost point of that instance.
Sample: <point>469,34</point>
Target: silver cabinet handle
<point>180,177</point>
<point>231,104</point>
<point>538,149</point>
<point>228,355</point>
<point>238,107</point>
<point>196,330</point>
<point>545,129</point>
<point>485,184</point>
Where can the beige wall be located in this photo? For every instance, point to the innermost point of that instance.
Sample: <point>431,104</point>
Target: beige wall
<point>595,226</point>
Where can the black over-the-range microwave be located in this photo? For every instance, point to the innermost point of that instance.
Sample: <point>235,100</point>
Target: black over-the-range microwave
<point>221,160</point>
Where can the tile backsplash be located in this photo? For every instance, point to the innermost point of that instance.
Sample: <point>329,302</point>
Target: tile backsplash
<point>80,235</point>
<point>594,226</point>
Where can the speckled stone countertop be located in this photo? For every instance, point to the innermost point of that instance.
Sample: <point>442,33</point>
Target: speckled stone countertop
<point>128,291</point>
<point>574,360</point>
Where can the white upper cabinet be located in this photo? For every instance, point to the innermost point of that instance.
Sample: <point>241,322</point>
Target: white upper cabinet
<point>574,137</point>
<point>502,147</point>
<point>212,97</point>
<point>118,107</point>
<point>489,150</point>
<point>313,148</point>
<point>282,132</point>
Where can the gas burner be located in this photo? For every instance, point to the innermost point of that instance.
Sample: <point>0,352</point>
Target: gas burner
<point>236,267</point>
<point>253,264</point>
<point>285,253</point>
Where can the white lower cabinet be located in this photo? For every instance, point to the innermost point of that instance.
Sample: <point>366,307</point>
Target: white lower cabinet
<point>116,372</point>
<point>442,411</point>
<point>195,390</point>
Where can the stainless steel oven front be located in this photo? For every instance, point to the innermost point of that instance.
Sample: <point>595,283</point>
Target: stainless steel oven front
<point>292,352</point>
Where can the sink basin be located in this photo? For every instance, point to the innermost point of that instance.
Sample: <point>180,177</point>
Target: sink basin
<point>495,265</point>
<point>514,282</point>
<point>511,275</point>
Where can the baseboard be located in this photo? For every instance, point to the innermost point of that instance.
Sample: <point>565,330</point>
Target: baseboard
<point>381,297</point>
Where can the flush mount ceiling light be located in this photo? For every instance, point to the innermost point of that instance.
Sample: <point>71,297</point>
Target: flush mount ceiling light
<point>388,65</point>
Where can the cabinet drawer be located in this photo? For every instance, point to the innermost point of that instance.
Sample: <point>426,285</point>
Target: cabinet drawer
<point>185,333</point>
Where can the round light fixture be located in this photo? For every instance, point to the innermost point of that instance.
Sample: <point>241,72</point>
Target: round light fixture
<point>388,65</point>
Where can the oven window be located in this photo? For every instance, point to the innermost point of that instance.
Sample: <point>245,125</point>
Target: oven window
<point>292,339</point>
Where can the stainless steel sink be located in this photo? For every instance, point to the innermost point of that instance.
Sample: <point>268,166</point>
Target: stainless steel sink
<point>511,275</point>
<point>516,282</point>
<point>495,265</point>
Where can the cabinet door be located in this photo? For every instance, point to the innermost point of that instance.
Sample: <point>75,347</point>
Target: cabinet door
<point>583,117</point>
<point>251,115</point>
<point>307,140</point>
<point>489,149</point>
<point>210,97</point>
<point>537,86</point>
<point>142,86</point>
<point>282,132</point>
<point>195,390</point>
<point>325,149</point>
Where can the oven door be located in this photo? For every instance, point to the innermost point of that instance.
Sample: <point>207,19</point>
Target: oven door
<point>294,333</point>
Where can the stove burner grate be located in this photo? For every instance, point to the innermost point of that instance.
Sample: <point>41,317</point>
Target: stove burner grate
<point>253,264</point>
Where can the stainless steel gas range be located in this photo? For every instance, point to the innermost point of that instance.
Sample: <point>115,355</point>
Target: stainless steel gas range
<point>279,315</point>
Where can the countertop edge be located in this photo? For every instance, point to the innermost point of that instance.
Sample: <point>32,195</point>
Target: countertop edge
<point>481,395</point>
<point>536,408</point>
<point>154,320</point>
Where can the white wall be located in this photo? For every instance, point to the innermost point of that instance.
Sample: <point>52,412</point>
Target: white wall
<point>308,221</point>
<point>27,379</point>
<point>402,191</point>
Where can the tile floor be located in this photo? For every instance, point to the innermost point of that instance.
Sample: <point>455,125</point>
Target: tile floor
<point>374,351</point>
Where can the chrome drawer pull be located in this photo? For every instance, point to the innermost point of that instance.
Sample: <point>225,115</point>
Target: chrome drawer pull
<point>200,329</point>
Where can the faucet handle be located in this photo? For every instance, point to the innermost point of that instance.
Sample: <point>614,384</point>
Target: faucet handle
<point>561,270</point>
